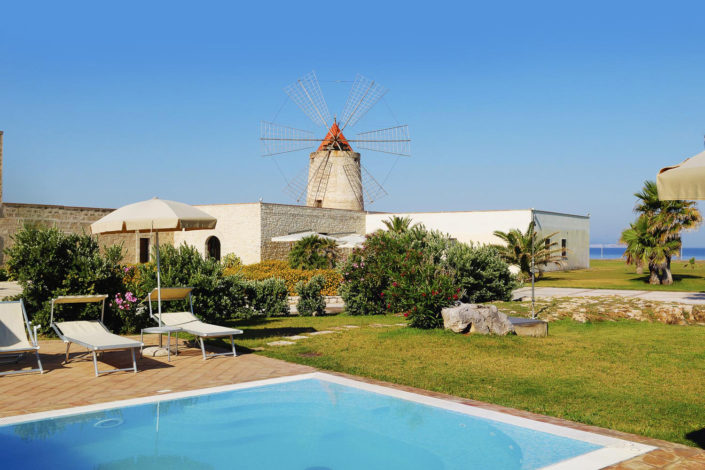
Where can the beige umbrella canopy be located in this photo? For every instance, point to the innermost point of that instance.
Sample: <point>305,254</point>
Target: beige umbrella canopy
<point>685,181</point>
<point>154,215</point>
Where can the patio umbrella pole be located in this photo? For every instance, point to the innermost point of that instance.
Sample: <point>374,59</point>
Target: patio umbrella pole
<point>159,286</point>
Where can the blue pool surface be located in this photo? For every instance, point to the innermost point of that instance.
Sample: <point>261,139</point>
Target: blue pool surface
<point>308,424</point>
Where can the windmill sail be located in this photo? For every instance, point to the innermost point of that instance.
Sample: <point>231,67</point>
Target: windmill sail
<point>306,93</point>
<point>371,188</point>
<point>393,140</point>
<point>364,94</point>
<point>277,139</point>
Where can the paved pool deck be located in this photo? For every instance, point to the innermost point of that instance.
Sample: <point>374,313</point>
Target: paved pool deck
<point>74,384</point>
<point>691,298</point>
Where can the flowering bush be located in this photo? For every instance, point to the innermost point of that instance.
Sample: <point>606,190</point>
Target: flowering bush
<point>124,303</point>
<point>281,270</point>
<point>418,272</point>
<point>392,271</point>
<point>420,289</point>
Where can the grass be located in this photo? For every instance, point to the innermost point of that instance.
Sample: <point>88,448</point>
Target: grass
<point>643,378</point>
<point>616,274</point>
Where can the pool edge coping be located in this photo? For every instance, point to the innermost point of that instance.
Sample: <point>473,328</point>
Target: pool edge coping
<point>613,451</point>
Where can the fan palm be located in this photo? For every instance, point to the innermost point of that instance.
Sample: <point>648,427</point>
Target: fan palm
<point>313,252</point>
<point>658,228</point>
<point>520,247</point>
<point>398,224</point>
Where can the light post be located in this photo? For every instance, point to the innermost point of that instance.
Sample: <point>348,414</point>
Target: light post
<point>533,266</point>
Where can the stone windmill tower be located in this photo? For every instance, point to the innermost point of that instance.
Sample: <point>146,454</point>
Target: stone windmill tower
<point>335,177</point>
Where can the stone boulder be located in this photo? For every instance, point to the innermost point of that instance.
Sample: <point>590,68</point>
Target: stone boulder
<point>476,318</point>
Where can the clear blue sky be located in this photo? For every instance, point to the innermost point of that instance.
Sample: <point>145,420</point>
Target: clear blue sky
<point>549,105</point>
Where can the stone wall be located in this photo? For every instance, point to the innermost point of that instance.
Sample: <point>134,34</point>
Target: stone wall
<point>282,219</point>
<point>66,218</point>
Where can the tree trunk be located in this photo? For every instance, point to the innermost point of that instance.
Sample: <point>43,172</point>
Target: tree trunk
<point>639,269</point>
<point>654,274</point>
<point>666,275</point>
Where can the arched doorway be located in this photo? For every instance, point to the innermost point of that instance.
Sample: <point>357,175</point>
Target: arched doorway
<point>213,248</point>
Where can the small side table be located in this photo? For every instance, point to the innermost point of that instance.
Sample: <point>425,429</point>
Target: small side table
<point>161,330</point>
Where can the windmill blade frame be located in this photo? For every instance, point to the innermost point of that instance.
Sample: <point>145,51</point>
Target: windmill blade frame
<point>306,93</point>
<point>392,140</point>
<point>364,94</point>
<point>372,190</point>
<point>277,139</point>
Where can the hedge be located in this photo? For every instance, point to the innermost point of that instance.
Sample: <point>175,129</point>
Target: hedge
<point>281,270</point>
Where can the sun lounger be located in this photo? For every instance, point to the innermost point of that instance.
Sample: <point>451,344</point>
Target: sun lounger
<point>14,328</point>
<point>92,335</point>
<point>188,322</point>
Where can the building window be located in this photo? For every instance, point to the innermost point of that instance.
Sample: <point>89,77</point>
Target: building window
<point>144,250</point>
<point>564,248</point>
<point>213,248</point>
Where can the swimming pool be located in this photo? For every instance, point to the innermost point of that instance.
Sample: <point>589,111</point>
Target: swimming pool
<point>307,422</point>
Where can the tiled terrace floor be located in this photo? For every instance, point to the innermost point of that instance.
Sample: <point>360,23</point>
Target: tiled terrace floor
<point>74,384</point>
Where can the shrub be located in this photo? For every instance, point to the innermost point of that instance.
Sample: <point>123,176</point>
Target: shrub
<point>412,259</point>
<point>3,275</point>
<point>480,273</point>
<point>231,261</point>
<point>418,272</point>
<point>47,263</point>
<point>311,301</point>
<point>216,297</point>
<point>314,252</point>
<point>281,270</point>
<point>267,297</point>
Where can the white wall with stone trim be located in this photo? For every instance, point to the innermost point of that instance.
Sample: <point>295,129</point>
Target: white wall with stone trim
<point>479,226</point>
<point>238,229</point>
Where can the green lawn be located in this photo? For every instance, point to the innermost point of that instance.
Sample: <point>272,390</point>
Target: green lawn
<point>643,378</point>
<point>616,274</point>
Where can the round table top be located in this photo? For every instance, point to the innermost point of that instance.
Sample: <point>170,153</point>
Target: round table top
<point>161,329</point>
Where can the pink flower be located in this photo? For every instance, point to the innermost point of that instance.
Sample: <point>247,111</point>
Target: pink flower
<point>126,268</point>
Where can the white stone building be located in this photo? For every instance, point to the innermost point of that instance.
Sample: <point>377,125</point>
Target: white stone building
<point>247,229</point>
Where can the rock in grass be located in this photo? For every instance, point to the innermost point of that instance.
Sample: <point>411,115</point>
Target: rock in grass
<point>476,318</point>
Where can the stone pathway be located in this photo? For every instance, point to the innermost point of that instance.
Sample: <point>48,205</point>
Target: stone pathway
<point>9,288</point>
<point>289,340</point>
<point>691,298</point>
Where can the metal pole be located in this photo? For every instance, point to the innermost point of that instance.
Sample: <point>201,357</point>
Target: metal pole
<point>159,287</point>
<point>533,267</point>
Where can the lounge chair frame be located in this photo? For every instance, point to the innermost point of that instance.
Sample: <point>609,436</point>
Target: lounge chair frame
<point>32,335</point>
<point>181,293</point>
<point>74,299</point>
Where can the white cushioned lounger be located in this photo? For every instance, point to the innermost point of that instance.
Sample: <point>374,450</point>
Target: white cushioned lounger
<point>14,328</point>
<point>93,335</point>
<point>188,322</point>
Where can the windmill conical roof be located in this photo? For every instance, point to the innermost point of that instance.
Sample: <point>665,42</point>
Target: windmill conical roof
<point>335,134</point>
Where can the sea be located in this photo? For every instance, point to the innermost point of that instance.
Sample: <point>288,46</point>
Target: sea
<point>612,252</point>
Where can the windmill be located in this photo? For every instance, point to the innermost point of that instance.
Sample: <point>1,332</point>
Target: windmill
<point>335,177</point>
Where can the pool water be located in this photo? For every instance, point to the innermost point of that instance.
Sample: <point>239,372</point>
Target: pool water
<point>307,424</point>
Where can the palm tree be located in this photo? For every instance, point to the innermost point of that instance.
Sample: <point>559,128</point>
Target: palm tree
<point>645,248</point>
<point>398,224</point>
<point>663,221</point>
<point>313,252</point>
<point>519,248</point>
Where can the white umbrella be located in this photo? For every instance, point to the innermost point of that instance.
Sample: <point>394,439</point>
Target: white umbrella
<point>294,237</point>
<point>685,181</point>
<point>351,241</point>
<point>154,215</point>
